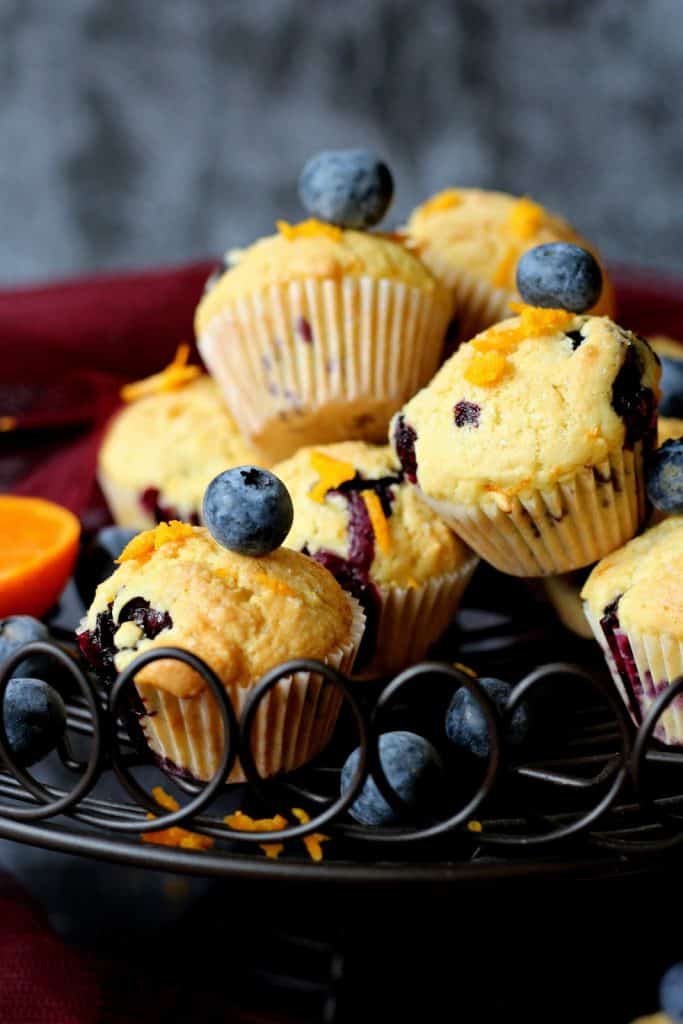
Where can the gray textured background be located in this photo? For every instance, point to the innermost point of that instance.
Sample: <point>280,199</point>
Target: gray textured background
<point>146,131</point>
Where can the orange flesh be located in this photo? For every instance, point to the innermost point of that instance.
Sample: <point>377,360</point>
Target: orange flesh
<point>38,547</point>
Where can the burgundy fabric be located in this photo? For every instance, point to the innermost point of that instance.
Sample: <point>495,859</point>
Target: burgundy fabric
<point>41,980</point>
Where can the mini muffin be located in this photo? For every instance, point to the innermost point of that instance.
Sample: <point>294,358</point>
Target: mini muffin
<point>529,441</point>
<point>355,514</point>
<point>634,604</point>
<point>564,592</point>
<point>319,334</point>
<point>175,586</point>
<point>161,451</point>
<point>472,239</point>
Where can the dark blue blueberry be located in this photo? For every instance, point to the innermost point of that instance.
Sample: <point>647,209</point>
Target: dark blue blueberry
<point>35,718</point>
<point>671,357</point>
<point>466,414</point>
<point>664,477</point>
<point>348,187</point>
<point>248,510</point>
<point>405,439</point>
<point>98,558</point>
<point>413,768</point>
<point>559,275</point>
<point>671,993</point>
<point>466,724</point>
<point>15,633</point>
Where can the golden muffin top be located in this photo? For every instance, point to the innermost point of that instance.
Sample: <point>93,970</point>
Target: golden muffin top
<point>315,250</point>
<point>351,499</point>
<point>647,575</point>
<point>176,441</point>
<point>526,404</point>
<point>484,233</point>
<point>242,615</point>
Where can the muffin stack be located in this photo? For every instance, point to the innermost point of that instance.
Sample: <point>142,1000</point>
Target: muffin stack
<point>526,448</point>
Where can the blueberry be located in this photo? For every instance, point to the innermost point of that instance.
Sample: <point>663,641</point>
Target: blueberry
<point>98,559</point>
<point>412,767</point>
<point>664,477</point>
<point>670,355</point>
<point>34,717</point>
<point>15,633</point>
<point>559,276</point>
<point>466,724</point>
<point>248,510</point>
<point>348,187</point>
<point>671,993</point>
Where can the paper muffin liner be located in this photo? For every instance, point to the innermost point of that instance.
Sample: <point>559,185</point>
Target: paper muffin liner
<point>644,666</point>
<point>564,594</point>
<point>413,618</point>
<point>318,361</point>
<point>293,723</point>
<point>559,528</point>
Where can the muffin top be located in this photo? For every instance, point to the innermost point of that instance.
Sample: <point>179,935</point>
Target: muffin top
<point>175,441</point>
<point>313,249</point>
<point>668,429</point>
<point>351,499</point>
<point>528,403</point>
<point>485,233</point>
<point>175,586</point>
<point>646,576</point>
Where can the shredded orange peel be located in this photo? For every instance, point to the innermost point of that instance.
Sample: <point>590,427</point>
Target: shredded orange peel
<point>444,200</point>
<point>277,586</point>
<point>176,375</point>
<point>146,543</point>
<point>524,220</point>
<point>378,520</point>
<point>244,823</point>
<point>331,472</point>
<point>310,228</point>
<point>489,363</point>
<point>174,836</point>
<point>313,841</point>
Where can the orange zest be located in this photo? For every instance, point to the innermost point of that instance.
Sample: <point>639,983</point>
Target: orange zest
<point>241,822</point>
<point>176,375</point>
<point>332,472</point>
<point>149,541</point>
<point>310,228</point>
<point>525,218</point>
<point>444,200</point>
<point>277,586</point>
<point>378,520</point>
<point>485,369</point>
<point>174,836</point>
<point>38,547</point>
<point>312,842</point>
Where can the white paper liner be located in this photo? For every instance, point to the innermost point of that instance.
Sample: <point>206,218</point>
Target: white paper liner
<point>413,618</point>
<point>559,528</point>
<point>659,661</point>
<point>294,722</point>
<point>564,594</point>
<point>318,361</point>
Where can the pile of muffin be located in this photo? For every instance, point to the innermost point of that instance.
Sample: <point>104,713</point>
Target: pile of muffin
<point>521,424</point>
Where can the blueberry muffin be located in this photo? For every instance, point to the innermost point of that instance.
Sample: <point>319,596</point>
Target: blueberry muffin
<point>175,586</point>
<point>529,441</point>
<point>355,513</point>
<point>472,239</point>
<point>633,601</point>
<point>163,448</point>
<point>319,334</point>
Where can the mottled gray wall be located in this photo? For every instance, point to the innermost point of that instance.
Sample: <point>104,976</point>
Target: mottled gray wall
<point>146,131</point>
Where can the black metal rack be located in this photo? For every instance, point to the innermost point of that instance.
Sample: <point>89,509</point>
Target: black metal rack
<point>596,795</point>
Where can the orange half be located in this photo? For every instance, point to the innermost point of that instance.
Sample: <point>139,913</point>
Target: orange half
<point>38,548</point>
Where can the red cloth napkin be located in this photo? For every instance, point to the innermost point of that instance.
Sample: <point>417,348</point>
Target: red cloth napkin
<point>41,980</point>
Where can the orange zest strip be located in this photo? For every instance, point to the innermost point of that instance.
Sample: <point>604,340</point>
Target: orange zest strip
<point>277,586</point>
<point>312,842</point>
<point>378,520</point>
<point>525,218</point>
<point>485,369</point>
<point>475,826</point>
<point>142,546</point>
<point>310,228</point>
<point>174,836</point>
<point>444,200</point>
<point>241,822</point>
<point>332,473</point>
<point>176,375</point>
